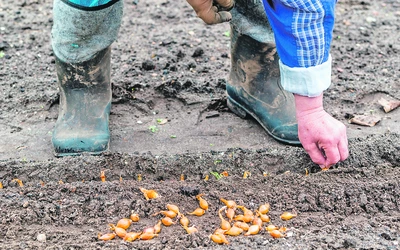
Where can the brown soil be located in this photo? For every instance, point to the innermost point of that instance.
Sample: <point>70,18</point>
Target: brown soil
<point>354,205</point>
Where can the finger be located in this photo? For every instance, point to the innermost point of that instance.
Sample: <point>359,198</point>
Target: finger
<point>332,155</point>
<point>223,16</point>
<point>315,153</point>
<point>226,3</point>
<point>343,149</point>
<point>209,16</point>
<point>213,17</point>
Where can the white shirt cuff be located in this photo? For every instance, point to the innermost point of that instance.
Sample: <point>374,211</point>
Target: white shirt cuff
<point>311,81</point>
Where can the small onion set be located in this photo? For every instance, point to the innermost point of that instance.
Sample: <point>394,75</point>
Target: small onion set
<point>235,220</point>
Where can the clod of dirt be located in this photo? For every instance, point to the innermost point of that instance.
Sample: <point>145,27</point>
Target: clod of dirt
<point>212,114</point>
<point>389,105</point>
<point>148,65</point>
<point>41,238</point>
<point>4,45</point>
<point>189,190</point>
<point>365,120</point>
<point>180,54</point>
<point>198,52</point>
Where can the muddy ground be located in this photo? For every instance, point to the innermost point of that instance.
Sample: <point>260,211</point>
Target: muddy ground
<point>354,205</point>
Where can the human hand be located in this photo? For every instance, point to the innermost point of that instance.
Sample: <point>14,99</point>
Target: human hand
<point>322,136</point>
<point>210,13</point>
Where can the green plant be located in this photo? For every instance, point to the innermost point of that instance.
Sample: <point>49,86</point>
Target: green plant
<point>217,162</point>
<point>153,128</point>
<point>217,175</point>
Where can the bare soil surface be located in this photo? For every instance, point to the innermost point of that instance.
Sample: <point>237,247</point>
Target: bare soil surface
<point>168,65</point>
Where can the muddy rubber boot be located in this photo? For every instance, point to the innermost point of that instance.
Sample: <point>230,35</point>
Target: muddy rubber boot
<point>85,103</point>
<point>254,81</point>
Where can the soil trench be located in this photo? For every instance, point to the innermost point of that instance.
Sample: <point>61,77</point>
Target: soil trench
<point>167,64</point>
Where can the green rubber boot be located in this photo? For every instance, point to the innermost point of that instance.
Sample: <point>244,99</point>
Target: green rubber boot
<point>254,88</point>
<point>85,103</point>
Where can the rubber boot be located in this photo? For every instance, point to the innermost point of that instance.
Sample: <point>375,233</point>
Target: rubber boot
<point>85,102</point>
<point>254,86</point>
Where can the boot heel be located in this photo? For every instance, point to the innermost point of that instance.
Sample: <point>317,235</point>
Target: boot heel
<point>235,108</point>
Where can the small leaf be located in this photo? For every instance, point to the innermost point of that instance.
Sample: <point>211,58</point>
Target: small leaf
<point>2,54</point>
<point>217,175</point>
<point>227,33</point>
<point>153,129</point>
<point>162,121</point>
<point>217,162</point>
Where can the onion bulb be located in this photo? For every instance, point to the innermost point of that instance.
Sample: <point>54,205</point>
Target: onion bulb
<point>264,208</point>
<point>124,223</point>
<point>287,216</point>
<point>202,203</point>
<point>132,236</point>
<point>219,238</point>
<point>149,194</point>
<point>253,229</point>
<point>166,221</point>
<point>228,203</point>
<point>184,221</point>
<point>234,231</point>
<point>191,229</point>
<point>106,237</point>
<point>198,212</point>
<point>276,234</point>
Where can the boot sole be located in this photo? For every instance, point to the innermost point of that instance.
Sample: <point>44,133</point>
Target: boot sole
<point>243,113</point>
<point>62,154</point>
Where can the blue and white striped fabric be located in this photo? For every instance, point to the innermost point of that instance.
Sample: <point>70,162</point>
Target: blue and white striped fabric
<point>303,35</point>
<point>308,29</point>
